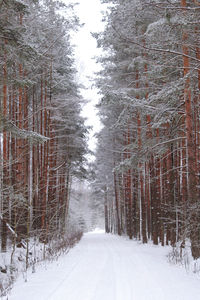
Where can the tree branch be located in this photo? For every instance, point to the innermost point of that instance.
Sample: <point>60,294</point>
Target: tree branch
<point>32,136</point>
<point>126,39</point>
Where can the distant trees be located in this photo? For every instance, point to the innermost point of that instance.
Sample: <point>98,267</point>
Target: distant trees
<point>148,153</point>
<point>42,141</point>
<point>85,210</point>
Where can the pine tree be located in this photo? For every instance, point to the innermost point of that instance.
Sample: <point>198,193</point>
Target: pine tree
<point>147,80</point>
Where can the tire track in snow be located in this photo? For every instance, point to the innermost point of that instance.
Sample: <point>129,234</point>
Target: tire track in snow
<point>89,268</point>
<point>63,279</point>
<point>133,275</point>
<point>106,286</point>
<point>123,286</point>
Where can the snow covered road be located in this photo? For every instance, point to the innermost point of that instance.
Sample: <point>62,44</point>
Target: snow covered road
<point>106,267</point>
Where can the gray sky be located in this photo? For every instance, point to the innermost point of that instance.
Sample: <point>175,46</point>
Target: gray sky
<point>89,12</point>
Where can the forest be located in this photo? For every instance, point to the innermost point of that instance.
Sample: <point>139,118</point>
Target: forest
<point>43,136</point>
<point>145,180</point>
<point>148,154</point>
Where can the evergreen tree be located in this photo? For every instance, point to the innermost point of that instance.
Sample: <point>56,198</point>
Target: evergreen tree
<point>149,107</point>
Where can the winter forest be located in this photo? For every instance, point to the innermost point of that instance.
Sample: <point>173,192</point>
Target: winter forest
<point>142,181</point>
<point>149,146</point>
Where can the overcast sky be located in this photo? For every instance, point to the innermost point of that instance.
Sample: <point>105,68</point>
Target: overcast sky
<point>89,12</point>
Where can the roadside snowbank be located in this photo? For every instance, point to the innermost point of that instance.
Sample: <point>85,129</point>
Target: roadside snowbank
<point>20,260</point>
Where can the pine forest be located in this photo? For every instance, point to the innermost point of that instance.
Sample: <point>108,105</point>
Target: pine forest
<point>142,181</point>
<point>149,147</point>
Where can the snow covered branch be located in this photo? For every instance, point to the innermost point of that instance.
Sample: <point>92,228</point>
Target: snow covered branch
<point>127,39</point>
<point>33,137</point>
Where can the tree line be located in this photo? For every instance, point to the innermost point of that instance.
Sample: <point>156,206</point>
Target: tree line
<point>148,155</point>
<point>43,136</point>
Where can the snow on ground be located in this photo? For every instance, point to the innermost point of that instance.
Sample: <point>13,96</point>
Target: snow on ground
<point>107,267</point>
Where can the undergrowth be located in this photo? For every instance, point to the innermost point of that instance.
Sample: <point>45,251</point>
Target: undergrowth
<point>27,255</point>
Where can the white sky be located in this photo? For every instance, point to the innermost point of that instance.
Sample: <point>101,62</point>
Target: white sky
<point>89,12</point>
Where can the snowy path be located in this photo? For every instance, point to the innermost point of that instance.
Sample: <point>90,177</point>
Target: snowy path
<point>106,267</point>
